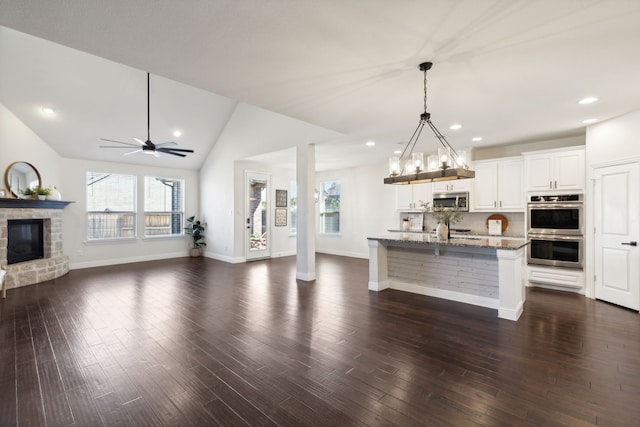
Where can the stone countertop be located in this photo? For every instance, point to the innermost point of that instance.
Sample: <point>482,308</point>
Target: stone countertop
<point>463,233</point>
<point>496,242</point>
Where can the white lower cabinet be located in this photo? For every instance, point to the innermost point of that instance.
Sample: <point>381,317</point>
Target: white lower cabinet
<point>556,278</point>
<point>499,185</point>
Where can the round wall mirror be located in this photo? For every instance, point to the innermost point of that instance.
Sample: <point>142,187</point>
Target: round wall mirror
<point>21,175</point>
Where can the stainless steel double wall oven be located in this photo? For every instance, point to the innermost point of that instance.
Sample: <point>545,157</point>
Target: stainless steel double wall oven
<point>556,230</point>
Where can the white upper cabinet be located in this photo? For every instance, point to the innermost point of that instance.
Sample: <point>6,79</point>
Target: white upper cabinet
<point>454,186</point>
<point>408,197</point>
<point>555,170</point>
<point>499,185</point>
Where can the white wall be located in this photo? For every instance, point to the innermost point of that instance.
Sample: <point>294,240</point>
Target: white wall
<point>19,143</point>
<point>614,140</point>
<point>84,254</point>
<point>282,241</point>
<point>249,132</point>
<point>367,209</point>
<point>498,151</point>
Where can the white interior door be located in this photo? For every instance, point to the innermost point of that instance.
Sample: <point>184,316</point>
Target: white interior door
<point>258,241</point>
<point>617,258</point>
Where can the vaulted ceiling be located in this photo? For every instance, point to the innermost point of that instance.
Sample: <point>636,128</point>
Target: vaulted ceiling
<point>507,70</point>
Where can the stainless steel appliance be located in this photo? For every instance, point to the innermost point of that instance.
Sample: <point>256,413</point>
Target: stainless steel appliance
<point>559,214</point>
<point>556,230</point>
<point>556,251</point>
<point>452,200</point>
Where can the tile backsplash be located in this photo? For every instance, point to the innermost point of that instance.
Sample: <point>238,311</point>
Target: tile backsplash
<point>477,223</point>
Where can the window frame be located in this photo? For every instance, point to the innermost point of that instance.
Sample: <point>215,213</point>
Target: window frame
<point>181,212</point>
<point>119,214</point>
<point>322,208</point>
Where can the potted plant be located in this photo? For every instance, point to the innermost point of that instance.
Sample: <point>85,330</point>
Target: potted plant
<point>29,193</point>
<point>196,230</point>
<point>445,217</point>
<point>42,192</point>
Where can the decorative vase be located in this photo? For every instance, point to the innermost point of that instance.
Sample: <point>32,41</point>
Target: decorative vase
<point>54,195</point>
<point>42,197</point>
<point>195,252</point>
<point>442,231</point>
<point>406,225</point>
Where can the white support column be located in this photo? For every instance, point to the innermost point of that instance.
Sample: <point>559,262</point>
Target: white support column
<point>511,284</point>
<point>378,271</point>
<point>306,207</point>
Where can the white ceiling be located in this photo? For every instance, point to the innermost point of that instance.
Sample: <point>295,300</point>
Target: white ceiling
<point>509,71</point>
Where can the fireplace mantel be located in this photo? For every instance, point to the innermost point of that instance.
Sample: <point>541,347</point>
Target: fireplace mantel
<point>33,204</point>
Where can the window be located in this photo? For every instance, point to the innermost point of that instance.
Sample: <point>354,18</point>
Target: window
<point>111,206</point>
<point>163,206</point>
<point>293,206</point>
<point>330,207</point>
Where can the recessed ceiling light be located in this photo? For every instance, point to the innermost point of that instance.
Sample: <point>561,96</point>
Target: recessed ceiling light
<point>588,100</point>
<point>589,121</point>
<point>397,152</point>
<point>177,133</point>
<point>370,144</point>
<point>48,111</point>
<point>455,126</point>
<point>476,139</point>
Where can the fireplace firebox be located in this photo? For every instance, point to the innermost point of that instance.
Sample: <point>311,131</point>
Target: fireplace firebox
<point>25,240</point>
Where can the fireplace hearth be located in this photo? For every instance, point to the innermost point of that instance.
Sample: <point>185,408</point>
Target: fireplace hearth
<point>48,265</point>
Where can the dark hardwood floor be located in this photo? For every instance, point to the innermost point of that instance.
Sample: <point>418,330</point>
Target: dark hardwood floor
<point>200,342</point>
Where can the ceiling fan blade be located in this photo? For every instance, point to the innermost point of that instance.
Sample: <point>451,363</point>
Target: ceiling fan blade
<point>166,144</point>
<point>118,142</point>
<point>153,153</point>
<point>117,146</point>
<point>180,150</point>
<point>134,151</point>
<point>139,141</point>
<point>169,151</point>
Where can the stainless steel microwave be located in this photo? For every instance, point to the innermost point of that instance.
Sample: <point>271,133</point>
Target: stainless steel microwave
<point>452,200</point>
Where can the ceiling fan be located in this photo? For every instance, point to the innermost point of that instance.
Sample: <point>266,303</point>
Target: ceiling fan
<point>148,146</point>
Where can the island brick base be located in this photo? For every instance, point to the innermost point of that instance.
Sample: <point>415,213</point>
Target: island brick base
<point>54,264</point>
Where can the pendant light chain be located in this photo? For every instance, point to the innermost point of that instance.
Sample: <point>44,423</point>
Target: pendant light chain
<point>425,90</point>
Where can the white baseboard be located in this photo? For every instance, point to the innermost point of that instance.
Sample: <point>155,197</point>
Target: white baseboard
<point>379,286</point>
<point>225,258</point>
<point>307,277</point>
<point>510,313</point>
<point>446,294</point>
<point>343,253</point>
<point>128,260</point>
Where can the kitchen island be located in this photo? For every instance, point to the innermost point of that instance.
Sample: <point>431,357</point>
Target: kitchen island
<point>484,271</point>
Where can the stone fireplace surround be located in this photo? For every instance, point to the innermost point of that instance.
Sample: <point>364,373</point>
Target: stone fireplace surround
<point>54,264</point>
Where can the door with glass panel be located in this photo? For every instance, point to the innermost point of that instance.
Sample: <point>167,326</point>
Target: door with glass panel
<point>257,216</point>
